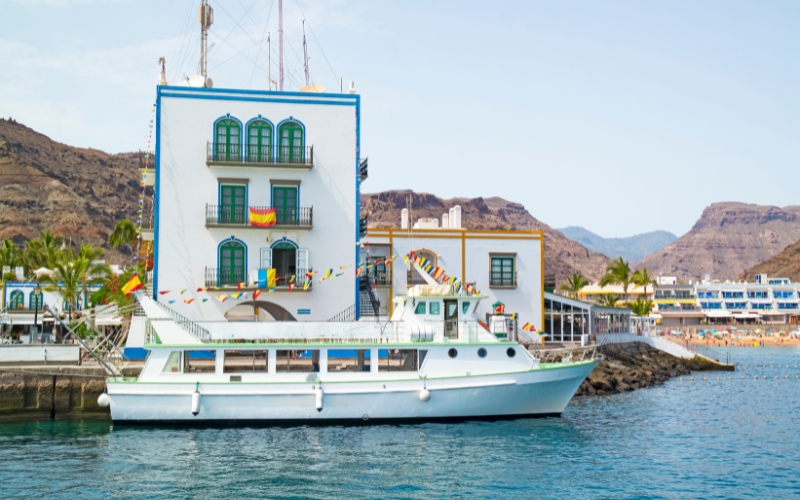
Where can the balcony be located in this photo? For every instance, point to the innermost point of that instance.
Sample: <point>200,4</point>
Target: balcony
<point>285,218</point>
<point>503,279</point>
<point>231,278</point>
<point>413,277</point>
<point>234,155</point>
<point>146,230</point>
<point>383,278</point>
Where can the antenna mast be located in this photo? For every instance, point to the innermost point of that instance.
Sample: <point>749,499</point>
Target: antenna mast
<point>305,51</point>
<point>206,20</point>
<point>269,61</point>
<point>280,44</point>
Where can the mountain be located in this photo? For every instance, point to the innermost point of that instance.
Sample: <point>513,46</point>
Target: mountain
<point>77,193</point>
<point>632,248</point>
<point>784,265</point>
<point>562,255</point>
<point>728,238</point>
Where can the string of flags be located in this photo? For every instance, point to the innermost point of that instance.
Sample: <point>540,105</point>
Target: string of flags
<point>142,185</point>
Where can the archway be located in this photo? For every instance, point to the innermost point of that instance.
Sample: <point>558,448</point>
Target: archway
<point>259,311</point>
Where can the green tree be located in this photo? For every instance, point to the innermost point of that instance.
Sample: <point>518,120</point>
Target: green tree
<point>641,307</point>
<point>9,257</point>
<point>642,278</point>
<point>95,273</point>
<point>618,272</point>
<point>43,251</point>
<point>574,284</point>
<point>609,300</point>
<point>124,234</point>
<point>67,281</point>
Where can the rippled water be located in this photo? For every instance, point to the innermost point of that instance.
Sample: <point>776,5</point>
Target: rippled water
<point>688,439</point>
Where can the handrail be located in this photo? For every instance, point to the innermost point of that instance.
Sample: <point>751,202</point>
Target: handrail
<point>109,370</point>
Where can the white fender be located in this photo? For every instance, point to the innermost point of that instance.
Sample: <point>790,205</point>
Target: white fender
<point>319,397</point>
<point>424,395</point>
<point>196,402</point>
<point>103,400</point>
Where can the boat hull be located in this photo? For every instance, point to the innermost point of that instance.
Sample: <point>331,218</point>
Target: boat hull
<point>539,392</point>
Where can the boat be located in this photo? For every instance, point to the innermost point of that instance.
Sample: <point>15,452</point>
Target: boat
<point>409,368</point>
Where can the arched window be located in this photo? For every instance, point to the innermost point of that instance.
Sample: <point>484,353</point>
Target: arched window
<point>231,263</point>
<point>292,147</point>
<point>227,140</point>
<point>259,141</point>
<point>16,300</point>
<point>414,276</point>
<point>32,301</point>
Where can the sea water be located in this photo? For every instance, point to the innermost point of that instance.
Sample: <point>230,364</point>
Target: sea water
<point>727,438</point>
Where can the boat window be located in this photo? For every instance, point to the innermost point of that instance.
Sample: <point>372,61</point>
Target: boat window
<point>511,352</point>
<point>420,308</point>
<point>244,361</point>
<point>173,363</point>
<point>348,360</point>
<point>199,361</point>
<point>465,307</point>
<point>434,308</point>
<point>481,352</point>
<point>297,361</point>
<point>452,353</point>
<point>400,360</point>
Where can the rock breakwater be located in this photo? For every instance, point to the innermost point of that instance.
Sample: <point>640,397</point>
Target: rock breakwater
<point>636,365</point>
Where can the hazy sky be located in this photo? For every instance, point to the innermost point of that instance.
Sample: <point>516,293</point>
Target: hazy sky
<point>622,117</point>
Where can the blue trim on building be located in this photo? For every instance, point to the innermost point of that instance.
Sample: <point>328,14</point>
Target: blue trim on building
<point>157,202</point>
<point>228,117</point>
<point>257,99</point>
<point>358,201</point>
<point>309,95</point>
<point>285,240</point>
<point>227,240</point>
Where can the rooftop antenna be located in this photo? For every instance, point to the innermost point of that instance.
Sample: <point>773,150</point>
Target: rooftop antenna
<point>280,44</point>
<point>206,17</point>
<point>163,79</point>
<point>269,61</point>
<point>305,51</point>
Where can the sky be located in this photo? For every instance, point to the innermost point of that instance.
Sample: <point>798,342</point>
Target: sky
<point>619,116</point>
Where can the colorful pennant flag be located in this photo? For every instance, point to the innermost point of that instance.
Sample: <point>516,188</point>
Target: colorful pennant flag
<point>237,296</point>
<point>291,286</point>
<point>222,298</point>
<point>339,274</point>
<point>438,273</point>
<point>305,285</point>
<point>205,299</point>
<point>262,217</point>
<point>240,285</point>
<point>183,290</point>
<point>526,327</point>
<point>170,302</point>
<point>256,294</point>
<point>188,301</point>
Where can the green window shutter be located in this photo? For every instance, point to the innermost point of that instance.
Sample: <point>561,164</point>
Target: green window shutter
<point>232,206</point>
<point>227,141</point>
<point>16,300</point>
<point>292,145</point>
<point>259,141</point>
<point>502,273</point>
<point>284,200</point>
<point>231,263</point>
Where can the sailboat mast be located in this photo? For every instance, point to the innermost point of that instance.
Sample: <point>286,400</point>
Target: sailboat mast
<point>280,44</point>
<point>305,52</point>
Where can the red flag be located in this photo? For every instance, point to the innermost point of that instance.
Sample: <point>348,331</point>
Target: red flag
<point>162,293</point>
<point>256,294</point>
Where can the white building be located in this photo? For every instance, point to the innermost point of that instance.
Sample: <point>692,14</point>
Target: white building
<point>222,153</point>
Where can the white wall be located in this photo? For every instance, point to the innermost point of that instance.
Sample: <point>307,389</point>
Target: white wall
<point>185,246</point>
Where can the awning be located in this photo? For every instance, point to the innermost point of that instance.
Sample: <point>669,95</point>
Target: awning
<point>773,313</point>
<point>682,314</point>
<point>26,319</point>
<point>746,315</point>
<point>718,314</point>
<point>670,302</point>
<point>107,321</point>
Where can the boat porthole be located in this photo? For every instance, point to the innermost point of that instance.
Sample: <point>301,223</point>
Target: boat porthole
<point>511,352</point>
<point>482,352</point>
<point>452,353</point>
<point>365,417</point>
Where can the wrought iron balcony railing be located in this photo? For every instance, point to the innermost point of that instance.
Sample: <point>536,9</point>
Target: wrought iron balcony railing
<point>232,277</point>
<point>217,215</point>
<point>260,154</point>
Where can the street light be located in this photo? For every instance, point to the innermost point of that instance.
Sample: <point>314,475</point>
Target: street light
<point>37,292</point>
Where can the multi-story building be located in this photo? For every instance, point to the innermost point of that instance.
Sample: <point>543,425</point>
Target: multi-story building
<point>250,180</point>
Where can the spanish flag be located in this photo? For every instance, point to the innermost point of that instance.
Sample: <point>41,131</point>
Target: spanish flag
<point>262,217</point>
<point>132,285</point>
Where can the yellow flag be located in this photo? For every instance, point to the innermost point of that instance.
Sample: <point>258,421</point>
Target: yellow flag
<point>272,278</point>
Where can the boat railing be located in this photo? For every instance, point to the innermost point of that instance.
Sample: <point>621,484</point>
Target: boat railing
<point>565,355</point>
<point>188,325</point>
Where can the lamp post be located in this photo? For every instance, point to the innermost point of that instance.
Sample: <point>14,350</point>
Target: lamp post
<point>37,292</point>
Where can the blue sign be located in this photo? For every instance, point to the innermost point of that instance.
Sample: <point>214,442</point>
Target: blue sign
<point>304,311</point>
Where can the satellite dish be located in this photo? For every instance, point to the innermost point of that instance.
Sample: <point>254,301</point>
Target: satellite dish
<point>194,81</point>
<point>209,82</point>
<point>318,89</point>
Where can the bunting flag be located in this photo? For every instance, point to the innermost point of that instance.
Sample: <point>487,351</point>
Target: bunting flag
<point>358,272</point>
<point>339,274</point>
<point>237,296</point>
<point>405,259</point>
<point>379,260</point>
<point>170,302</point>
<point>458,288</point>
<point>437,273</point>
<point>240,285</point>
<point>344,267</point>
<point>202,289</point>
<point>311,274</point>
<point>428,267</point>
<point>513,316</point>
<point>188,301</point>
<point>292,279</point>
<point>305,285</point>
<point>222,298</point>
<point>163,292</point>
<point>183,290</point>
<point>256,294</point>
<point>291,286</point>
<point>132,285</point>
<point>470,288</point>
<point>526,327</point>
<point>390,259</point>
<point>263,217</point>
<point>205,299</point>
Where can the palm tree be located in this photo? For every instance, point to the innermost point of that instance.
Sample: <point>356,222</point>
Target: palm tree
<point>124,234</point>
<point>642,278</point>
<point>641,307</point>
<point>42,252</point>
<point>95,272</point>
<point>618,272</point>
<point>609,300</point>
<point>9,257</point>
<point>574,284</point>
<point>67,281</point>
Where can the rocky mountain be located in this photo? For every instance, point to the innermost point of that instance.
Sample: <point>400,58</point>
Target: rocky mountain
<point>727,239</point>
<point>562,255</point>
<point>77,193</point>
<point>631,248</point>
<point>784,265</point>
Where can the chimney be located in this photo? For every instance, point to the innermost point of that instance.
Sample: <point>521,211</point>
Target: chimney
<point>445,223</point>
<point>456,217</point>
<point>451,218</point>
<point>404,219</point>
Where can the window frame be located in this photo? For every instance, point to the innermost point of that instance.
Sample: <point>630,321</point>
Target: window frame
<point>501,281</point>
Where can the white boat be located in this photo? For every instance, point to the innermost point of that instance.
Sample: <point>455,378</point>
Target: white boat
<point>407,369</point>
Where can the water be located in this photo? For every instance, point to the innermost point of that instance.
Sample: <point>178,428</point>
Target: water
<point>702,439</point>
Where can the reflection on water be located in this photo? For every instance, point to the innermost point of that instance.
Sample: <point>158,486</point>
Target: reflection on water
<point>702,439</point>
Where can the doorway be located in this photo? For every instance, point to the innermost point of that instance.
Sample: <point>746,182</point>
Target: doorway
<point>451,319</point>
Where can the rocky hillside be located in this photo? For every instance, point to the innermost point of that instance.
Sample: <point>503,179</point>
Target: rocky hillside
<point>77,193</point>
<point>562,255</point>
<point>631,248</point>
<point>784,265</point>
<point>728,239</point>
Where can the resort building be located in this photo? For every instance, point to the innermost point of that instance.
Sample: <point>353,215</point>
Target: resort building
<point>595,293</point>
<point>248,181</point>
